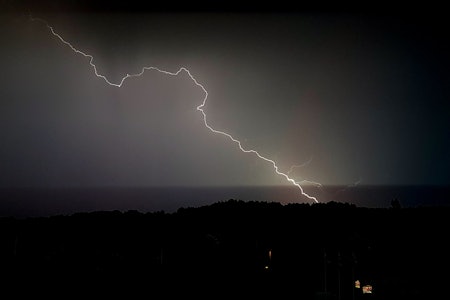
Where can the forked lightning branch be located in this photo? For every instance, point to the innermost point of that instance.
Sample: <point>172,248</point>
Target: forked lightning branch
<point>200,108</point>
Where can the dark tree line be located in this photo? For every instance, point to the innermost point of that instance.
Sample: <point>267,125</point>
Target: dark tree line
<point>234,248</point>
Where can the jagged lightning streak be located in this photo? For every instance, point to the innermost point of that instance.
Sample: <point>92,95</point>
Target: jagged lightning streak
<point>300,166</point>
<point>304,181</point>
<point>200,108</point>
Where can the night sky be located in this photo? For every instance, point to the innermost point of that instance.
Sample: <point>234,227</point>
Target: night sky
<point>355,96</point>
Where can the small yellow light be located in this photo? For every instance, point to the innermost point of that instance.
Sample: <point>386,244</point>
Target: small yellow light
<point>367,289</point>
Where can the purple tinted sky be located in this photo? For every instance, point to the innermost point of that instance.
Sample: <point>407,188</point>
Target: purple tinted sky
<point>362,96</point>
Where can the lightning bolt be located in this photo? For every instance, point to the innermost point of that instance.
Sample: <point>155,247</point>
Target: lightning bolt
<point>304,181</point>
<point>291,169</point>
<point>300,166</point>
<point>200,108</point>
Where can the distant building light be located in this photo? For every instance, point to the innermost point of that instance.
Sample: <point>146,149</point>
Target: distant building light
<point>367,289</point>
<point>266,267</point>
<point>357,284</point>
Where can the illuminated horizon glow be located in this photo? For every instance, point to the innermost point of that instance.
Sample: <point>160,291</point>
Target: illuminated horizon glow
<point>200,107</point>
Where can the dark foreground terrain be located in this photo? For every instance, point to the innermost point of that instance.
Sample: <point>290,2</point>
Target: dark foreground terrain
<point>234,248</point>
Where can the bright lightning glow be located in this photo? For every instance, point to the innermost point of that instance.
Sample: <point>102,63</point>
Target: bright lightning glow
<point>304,181</point>
<point>200,108</point>
<point>310,182</point>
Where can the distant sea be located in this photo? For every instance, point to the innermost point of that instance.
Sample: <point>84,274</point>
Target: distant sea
<point>34,202</point>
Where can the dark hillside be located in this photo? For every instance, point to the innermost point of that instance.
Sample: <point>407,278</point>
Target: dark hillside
<point>256,248</point>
